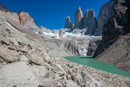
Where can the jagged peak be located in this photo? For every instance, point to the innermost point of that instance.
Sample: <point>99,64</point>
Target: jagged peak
<point>79,8</point>
<point>90,12</point>
<point>79,11</point>
<point>68,18</point>
<point>68,23</point>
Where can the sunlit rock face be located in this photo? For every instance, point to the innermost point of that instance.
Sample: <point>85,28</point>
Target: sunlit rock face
<point>21,17</point>
<point>27,21</point>
<point>78,17</point>
<point>106,12</point>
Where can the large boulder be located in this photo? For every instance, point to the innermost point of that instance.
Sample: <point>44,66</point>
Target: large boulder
<point>17,74</point>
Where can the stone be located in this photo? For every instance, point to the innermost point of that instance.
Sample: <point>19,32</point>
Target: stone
<point>70,83</point>
<point>24,58</point>
<point>102,83</point>
<point>59,84</point>
<point>78,17</point>
<point>106,12</point>
<point>68,23</point>
<point>19,74</point>
<point>78,79</point>
<point>85,77</point>
<point>90,22</point>
<point>58,69</point>
<point>114,47</point>
<point>50,75</point>
<point>48,83</point>
<point>39,71</point>
<point>8,55</point>
<point>4,8</point>
<point>37,60</point>
<point>13,41</point>
<point>27,21</point>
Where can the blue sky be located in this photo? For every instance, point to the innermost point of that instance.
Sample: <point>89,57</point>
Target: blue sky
<point>52,13</point>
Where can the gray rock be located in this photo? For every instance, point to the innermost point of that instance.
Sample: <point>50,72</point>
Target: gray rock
<point>90,22</point>
<point>58,69</point>
<point>18,74</point>
<point>86,77</point>
<point>78,17</point>
<point>106,12</point>
<point>39,71</point>
<point>68,23</point>
<point>50,75</point>
<point>70,83</point>
<point>8,55</point>
<point>36,59</point>
<point>48,83</point>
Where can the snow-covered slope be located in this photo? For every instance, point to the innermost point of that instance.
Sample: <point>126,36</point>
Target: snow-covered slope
<point>71,41</point>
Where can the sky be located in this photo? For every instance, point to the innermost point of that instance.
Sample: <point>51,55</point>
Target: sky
<point>52,13</point>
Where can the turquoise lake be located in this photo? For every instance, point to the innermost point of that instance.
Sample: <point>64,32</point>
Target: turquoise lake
<point>89,61</point>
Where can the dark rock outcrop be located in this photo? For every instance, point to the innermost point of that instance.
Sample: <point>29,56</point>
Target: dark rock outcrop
<point>87,22</point>
<point>78,17</point>
<point>106,12</point>
<point>90,21</point>
<point>115,46</point>
<point>93,46</point>
<point>68,23</point>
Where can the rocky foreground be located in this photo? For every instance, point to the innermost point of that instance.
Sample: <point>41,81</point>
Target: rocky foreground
<point>31,60</point>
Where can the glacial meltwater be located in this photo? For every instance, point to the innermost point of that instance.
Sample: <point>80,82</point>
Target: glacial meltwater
<point>89,61</point>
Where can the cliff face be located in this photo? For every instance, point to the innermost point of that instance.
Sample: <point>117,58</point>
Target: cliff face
<point>27,21</point>
<point>78,17</point>
<point>90,21</point>
<point>77,45</point>
<point>21,17</point>
<point>115,39</point>
<point>106,12</point>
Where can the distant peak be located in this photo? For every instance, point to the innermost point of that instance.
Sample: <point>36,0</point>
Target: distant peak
<point>91,9</point>
<point>68,18</point>
<point>79,7</point>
